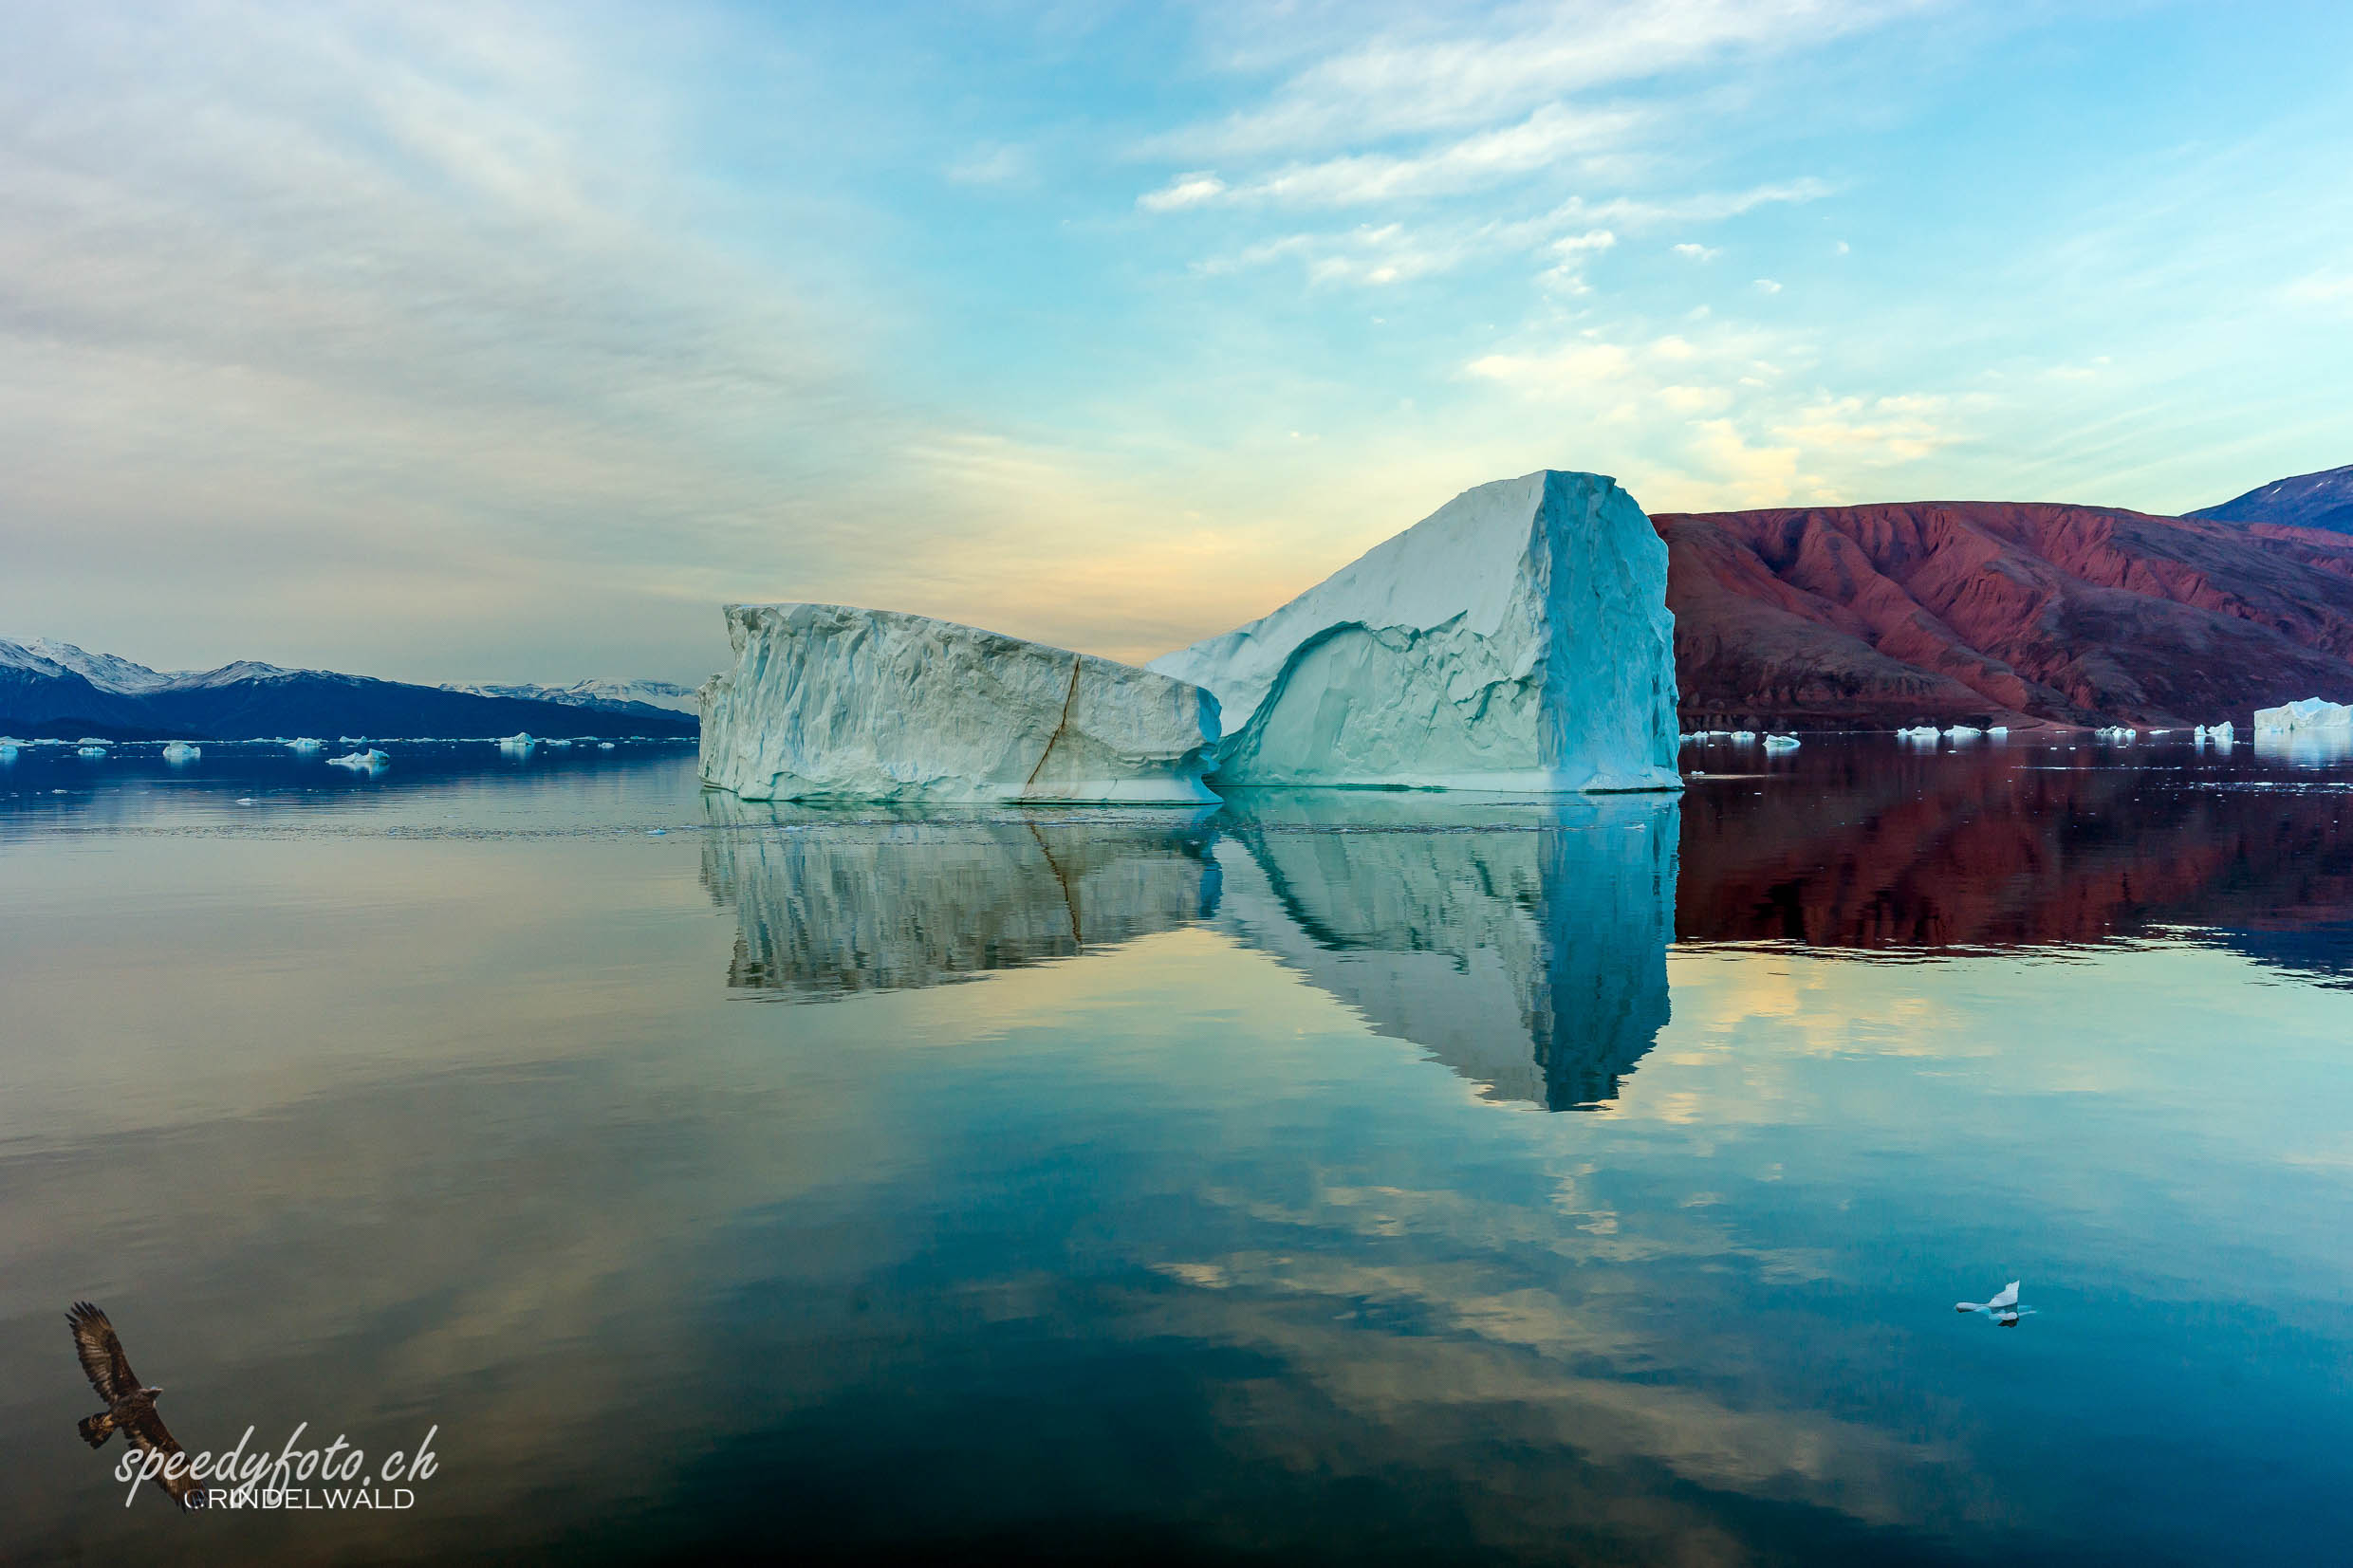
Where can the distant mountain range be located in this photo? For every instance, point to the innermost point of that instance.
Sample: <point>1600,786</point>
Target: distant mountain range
<point>1989,612</point>
<point>56,690</point>
<point>2322,501</point>
<point>619,696</point>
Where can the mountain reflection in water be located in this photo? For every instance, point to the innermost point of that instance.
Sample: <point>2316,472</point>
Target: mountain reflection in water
<point>1522,942</point>
<point>1949,852</point>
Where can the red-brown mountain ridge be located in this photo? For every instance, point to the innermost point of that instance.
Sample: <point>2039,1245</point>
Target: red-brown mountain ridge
<point>1993,612</point>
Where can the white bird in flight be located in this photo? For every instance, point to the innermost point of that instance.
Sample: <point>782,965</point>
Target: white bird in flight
<point>2003,1308</point>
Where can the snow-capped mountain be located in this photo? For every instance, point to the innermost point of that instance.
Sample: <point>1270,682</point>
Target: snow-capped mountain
<point>617,695</point>
<point>2323,500</point>
<point>103,671</point>
<point>50,687</point>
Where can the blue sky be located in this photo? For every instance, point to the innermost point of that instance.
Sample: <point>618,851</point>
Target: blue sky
<point>506,342</point>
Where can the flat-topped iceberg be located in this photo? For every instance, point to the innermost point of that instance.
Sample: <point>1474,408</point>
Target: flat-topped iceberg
<point>828,702</point>
<point>1517,638</point>
<point>2311,714</point>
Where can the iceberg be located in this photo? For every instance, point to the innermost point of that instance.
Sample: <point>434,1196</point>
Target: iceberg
<point>1517,638</point>
<point>2222,732</point>
<point>2311,714</point>
<point>367,760</point>
<point>517,744</point>
<point>305,745</point>
<point>90,751</point>
<point>1743,737</point>
<point>829,702</point>
<point>1917,732</point>
<point>1963,732</point>
<point>1781,743</point>
<point>181,751</point>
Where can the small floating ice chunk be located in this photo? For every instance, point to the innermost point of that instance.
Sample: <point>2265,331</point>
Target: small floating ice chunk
<point>305,744</point>
<point>604,745</point>
<point>1917,732</point>
<point>519,742</point>
<point>181,751</point>
<point>1963,732</point>
<point>246,800</point>
<point>90,751</point>
<point>2005,1299</point>
<point>368,761</point>
<point>1998,732</point>
<point>1743,736</point>
<point>1781,743</point>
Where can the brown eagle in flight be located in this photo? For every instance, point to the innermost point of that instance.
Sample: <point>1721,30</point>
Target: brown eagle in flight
<point>130,1405</point>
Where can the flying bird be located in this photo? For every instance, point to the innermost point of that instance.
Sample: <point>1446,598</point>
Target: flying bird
<point>130,1404</point>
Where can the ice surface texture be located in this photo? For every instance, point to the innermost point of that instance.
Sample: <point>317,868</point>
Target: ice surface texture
<point>830,702</point>
<point>2311,714</point>
<point>1517,638</point>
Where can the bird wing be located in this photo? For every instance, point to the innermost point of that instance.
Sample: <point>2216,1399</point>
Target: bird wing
<point>103,1362</point>
<point>2007,1298</point>
<point>147,1433</point>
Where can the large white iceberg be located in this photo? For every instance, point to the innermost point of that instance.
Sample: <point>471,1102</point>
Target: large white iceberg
<point>2311,714</point>
<point>830,702</point>
<point>1517,638</point>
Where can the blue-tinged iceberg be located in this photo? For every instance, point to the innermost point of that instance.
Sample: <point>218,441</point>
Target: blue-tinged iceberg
<point>1517,638</point>
<point>2311,714</point>
<point>827,702</point>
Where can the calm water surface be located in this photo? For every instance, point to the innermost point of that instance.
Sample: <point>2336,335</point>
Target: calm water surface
<point>1355,1176</point>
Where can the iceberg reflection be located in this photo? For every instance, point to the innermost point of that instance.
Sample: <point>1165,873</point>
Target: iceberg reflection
<point>831,904</point>
<point>1522,943</point>
<point>1524,946</point>
<point>2304,748</point>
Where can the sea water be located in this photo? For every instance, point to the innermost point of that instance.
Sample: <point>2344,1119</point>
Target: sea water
<point>1321,1177</point>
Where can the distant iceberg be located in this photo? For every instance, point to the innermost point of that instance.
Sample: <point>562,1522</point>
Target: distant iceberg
<point>1517,638</point>
<point>832,702</point>
<point>90,751</point>
<point>181,751</point>
<point>2311,714</point>
<point>1918,733</point>
<point>305,744</point>
<point>368,761</point>
<point>1781,743</point>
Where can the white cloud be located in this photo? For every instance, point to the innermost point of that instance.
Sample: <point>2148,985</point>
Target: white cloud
<point>1191,189</point>
<point>1765,285</point>
<point>1878,431</point>
<point>1423,78</point>
<point>1548,136</point>
<point>1699,252</point>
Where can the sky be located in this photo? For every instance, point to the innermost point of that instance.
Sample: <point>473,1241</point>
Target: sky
<point>477,341</point>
